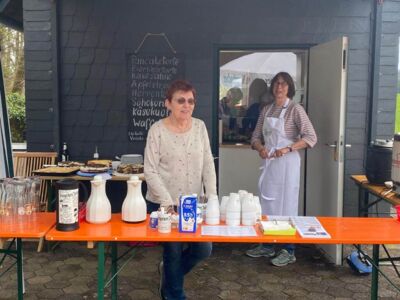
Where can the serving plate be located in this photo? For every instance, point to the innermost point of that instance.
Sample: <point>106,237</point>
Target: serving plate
<point>115,173</point>
<point>88,169</point>
<point>56,171</point>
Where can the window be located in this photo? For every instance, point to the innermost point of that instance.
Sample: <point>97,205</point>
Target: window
<point>244,81</point>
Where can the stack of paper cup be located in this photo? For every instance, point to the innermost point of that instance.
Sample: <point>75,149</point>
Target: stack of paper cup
<point>233,210</point>
<point>212,211</point>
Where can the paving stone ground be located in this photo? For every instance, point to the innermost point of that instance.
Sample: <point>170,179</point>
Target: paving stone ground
<point>69,272</point>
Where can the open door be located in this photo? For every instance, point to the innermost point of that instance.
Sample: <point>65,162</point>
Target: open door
<point>326,109</point>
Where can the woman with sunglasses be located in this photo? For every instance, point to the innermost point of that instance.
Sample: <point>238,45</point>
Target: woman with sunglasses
<point>178,161</point>
<point>283,128</point>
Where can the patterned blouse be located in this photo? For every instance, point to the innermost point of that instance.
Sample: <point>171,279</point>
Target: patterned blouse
<point>297,124</point>
<point>178,163</point>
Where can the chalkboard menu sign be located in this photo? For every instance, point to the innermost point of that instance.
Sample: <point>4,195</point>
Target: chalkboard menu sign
<point>149,77</point>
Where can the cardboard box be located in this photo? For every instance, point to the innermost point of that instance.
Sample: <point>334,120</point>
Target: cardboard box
<point>187,213</point>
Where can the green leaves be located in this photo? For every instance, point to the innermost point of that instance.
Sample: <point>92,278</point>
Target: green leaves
<point>16,115</point>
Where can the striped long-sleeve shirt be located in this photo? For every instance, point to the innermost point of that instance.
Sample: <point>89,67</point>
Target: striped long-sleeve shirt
<point>297,124</point>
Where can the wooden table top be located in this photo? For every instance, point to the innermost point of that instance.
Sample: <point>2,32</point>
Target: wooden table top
<point>32,227</point>
<point>377,189</point>
<point>342,231</point>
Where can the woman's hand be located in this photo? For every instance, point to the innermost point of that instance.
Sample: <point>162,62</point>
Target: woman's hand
<point>281,152</point>
<point>169,209</point>
<point>263,152</point>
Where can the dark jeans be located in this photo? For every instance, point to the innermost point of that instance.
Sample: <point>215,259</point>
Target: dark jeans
<point>178,260</point>
<point>289,247</point>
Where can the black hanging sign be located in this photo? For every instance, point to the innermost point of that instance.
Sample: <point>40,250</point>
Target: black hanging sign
<point>150,75</point>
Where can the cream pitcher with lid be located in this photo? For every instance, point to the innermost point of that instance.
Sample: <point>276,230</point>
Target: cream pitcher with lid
<point>98,207</point>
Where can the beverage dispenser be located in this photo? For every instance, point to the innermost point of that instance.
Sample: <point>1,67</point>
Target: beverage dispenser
<point>67,204</point>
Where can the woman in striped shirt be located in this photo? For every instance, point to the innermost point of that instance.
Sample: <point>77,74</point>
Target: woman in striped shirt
<point>282,129</point>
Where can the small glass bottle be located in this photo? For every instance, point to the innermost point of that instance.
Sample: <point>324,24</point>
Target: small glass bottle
<point>96,153</point>
<point>64,152</point>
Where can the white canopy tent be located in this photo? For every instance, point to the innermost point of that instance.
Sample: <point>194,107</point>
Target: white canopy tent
<point>241,71</point>
<point>266,64</point>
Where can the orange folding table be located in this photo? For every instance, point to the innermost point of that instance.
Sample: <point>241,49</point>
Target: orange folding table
<point>373,231</point>
<point>36,226</point>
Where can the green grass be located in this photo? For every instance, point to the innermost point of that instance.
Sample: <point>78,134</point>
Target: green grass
<point>397,125</point>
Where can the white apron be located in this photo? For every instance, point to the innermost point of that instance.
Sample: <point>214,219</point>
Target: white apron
<point>280,178</point>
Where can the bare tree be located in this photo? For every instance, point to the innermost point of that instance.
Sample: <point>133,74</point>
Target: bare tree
<point>12,59</point>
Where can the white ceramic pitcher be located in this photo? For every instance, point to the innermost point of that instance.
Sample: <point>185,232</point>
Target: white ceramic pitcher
<point>134,206</point>
<point>98,207</point>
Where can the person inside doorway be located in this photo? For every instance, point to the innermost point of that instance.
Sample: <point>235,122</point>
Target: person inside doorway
<point>282,129</point>
<point>227,110</point>
<point>178,161</point>
<point>258,98</point>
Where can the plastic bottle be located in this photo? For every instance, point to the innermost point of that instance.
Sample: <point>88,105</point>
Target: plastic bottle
<point>164,221</point>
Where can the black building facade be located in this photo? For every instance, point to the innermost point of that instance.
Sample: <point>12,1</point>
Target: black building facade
<point>77,53</point>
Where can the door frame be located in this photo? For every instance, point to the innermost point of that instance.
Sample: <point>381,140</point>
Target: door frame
<point>215,92</point>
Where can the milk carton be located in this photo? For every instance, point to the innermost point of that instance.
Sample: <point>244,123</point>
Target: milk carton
<point>187,213</point>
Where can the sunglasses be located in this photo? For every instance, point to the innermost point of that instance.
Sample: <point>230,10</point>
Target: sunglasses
<point>281,83</point>
<point>182,101</point>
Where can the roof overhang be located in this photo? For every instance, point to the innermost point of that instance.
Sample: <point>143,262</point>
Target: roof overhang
<point>11,14</point>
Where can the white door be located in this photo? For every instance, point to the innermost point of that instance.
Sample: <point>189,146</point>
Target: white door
<point>326,109</point>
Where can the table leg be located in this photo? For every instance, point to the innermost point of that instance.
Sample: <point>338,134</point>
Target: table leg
<point>362,202</point>
<point>374,276</point>
<point>114,270</point>
<point>50,195</point>
<point>100,270</point>
<point>19,269</point>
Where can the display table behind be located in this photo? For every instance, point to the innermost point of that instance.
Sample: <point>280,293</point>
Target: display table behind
<point>365,188</point>
<point>118,190</point>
